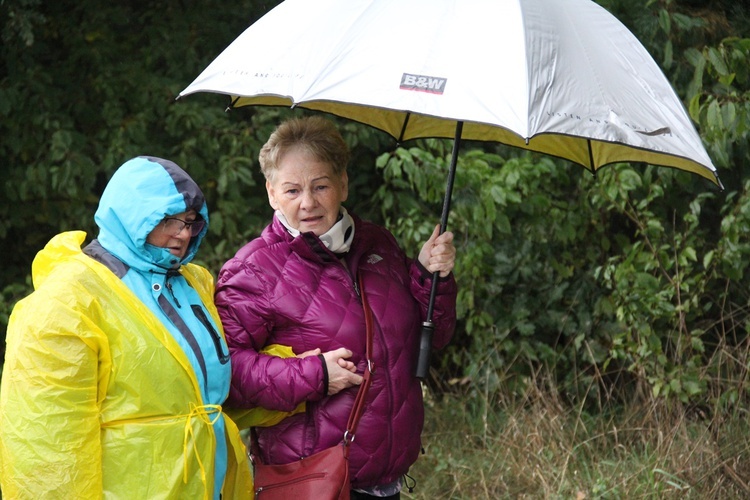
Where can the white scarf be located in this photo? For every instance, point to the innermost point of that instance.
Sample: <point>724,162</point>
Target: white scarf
<point>338,239</point>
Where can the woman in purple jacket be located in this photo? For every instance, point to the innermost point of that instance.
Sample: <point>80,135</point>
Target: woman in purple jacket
<point>296,285</point>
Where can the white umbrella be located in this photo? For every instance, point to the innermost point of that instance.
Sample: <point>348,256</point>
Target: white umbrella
<point>561,77</point>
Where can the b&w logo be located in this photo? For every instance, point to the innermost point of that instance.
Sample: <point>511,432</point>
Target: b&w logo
<point>422,83</point>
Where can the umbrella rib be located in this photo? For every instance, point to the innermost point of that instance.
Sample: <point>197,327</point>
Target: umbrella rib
<point>591,157</point>
<point>400,138</point>
<point>232,103</point>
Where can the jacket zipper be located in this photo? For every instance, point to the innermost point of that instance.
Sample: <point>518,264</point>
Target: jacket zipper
<point>201,315</point>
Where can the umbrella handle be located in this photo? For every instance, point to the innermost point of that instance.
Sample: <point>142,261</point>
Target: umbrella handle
<point>425,347</point>
<point>425,340</point>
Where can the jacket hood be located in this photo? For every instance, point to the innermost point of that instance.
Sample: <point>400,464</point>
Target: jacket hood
<point>140,194</point>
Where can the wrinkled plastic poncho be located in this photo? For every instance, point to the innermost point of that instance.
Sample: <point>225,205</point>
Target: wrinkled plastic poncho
<point>98,399</point>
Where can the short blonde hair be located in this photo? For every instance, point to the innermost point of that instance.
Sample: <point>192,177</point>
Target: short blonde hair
<point>317,136</point>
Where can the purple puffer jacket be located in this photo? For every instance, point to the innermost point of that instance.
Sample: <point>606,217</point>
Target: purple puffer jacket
<point>293,291</point>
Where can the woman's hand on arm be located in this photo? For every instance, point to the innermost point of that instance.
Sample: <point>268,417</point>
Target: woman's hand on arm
<point>438,253</point>
<point>341,372</point>
<point>343,363</point>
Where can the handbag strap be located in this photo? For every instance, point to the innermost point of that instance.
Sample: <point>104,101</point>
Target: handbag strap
<point>359,402</point>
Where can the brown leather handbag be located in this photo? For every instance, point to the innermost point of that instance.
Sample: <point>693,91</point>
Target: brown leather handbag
<point>323,475</point>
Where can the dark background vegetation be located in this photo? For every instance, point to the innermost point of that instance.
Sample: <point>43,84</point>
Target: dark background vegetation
<point>628,287</point>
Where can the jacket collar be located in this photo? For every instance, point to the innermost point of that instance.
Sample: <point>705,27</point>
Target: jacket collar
<point>309,247</point>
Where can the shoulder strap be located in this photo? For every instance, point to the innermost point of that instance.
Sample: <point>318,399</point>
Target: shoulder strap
<point>359,401</point>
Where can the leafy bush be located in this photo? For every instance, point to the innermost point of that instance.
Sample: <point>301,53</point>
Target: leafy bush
<point>629,285</point>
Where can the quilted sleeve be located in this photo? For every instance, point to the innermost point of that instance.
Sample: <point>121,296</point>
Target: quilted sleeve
<point>259,379</point>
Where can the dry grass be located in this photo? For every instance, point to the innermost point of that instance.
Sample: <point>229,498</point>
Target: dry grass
<point>535,446</point>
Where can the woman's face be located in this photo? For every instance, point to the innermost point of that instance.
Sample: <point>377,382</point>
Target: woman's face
<point>173,234</point>
<point>307,192</point>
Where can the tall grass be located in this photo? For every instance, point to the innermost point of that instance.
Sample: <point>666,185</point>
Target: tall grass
<point>534,445</point>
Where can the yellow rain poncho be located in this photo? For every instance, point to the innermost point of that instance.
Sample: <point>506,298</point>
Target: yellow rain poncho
<point>77,420</point>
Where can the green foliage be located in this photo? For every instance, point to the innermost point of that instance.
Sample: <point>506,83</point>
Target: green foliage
<point>719,100</point>
<point>655,285</point>
<point>630,284</point>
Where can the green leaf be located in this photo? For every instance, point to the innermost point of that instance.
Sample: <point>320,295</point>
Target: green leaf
<point>729,114</point>
<point>708,258</point>
<point>694,57</point>
<point>694,108</point>
<point>714,115</point>
<point>717,61</point>
<point>665,23</point>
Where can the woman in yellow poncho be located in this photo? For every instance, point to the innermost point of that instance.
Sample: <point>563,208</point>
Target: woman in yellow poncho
<point>116,366</point>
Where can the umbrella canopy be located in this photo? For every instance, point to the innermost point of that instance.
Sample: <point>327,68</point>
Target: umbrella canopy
<point>561,77</point>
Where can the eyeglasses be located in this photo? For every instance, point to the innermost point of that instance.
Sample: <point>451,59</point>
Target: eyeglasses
<point>174,227</point>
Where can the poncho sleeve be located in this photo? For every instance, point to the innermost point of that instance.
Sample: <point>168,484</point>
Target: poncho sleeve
<point>49,402</point>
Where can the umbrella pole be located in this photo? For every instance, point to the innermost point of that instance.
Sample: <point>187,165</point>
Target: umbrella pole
<point>428,327</point>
